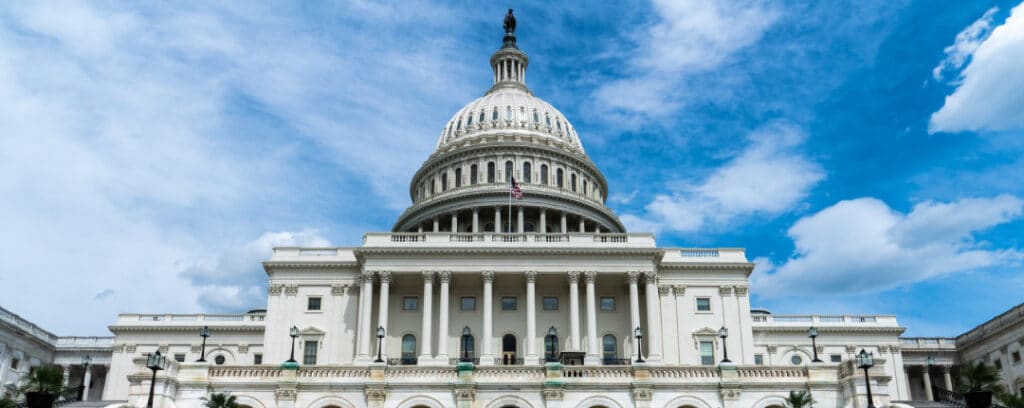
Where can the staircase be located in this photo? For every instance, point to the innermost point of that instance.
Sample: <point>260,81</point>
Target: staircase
<point>925,404</point>
<point>92,404</point>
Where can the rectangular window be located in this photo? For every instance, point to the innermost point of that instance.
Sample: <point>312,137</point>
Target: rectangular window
<point>509,303</point>
<point>703,304</point>
<point>707,353</point>
<point>313,303</point>
<point>309,352</point>
<point>999,364</point>
<point>550,303</point>
<point>758,359</point>
<point>410,303</point>
<point>14,363</point>
<point>607,304</point>
<point>1016,357</point>
<point>835,358</point>
<point>468,303</point>
<point>257,359</point>
<point>179,357</point>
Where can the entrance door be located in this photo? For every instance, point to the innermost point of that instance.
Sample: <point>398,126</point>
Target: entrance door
<point>508,349</point>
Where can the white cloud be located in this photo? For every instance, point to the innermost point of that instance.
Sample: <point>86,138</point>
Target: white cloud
<point>967,41</point>
<point>690,37</point>
<point>989,93</point>
<point>862,245</point>
<point>768,177</point>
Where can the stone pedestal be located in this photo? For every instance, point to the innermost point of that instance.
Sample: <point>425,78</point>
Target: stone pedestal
<point>643,390</point>
<point>729,388</point>
<point>465,386</point>
<point>287,390</point>
<point>376,391</point>
<point>554,385</point>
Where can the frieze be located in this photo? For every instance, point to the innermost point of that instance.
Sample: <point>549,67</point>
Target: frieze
<point>129,348</point>
<point>642,394</point>
<point>772,348</point>
<point>291,290</point>
<point>196,348</point>
<point>286,394</point>
<point>531,276</point>
<point>275,289</point>
<point>553,394</point>
<point>376,394</point>
<point>243,348</point>
<point>730,394</point>
<point>465,394</point>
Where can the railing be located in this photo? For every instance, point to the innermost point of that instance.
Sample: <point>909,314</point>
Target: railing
<point>699,253</point>
<point>454,361</point>
<point>611,238</point>
<point>586,239</point>
<point>771,372</point>
<point>615,361</point>
<point>252,317</point>
<point>793,319</point>
<point>26,326</point>
<point>825,319</point>
<point>69,395</point>
<point>622,373</point>
<point>318,251</point>
<point>402,361</point>
<point>508,361</point>
<point>244,371</point>
<point>407,237</point>
<point>948,397</point>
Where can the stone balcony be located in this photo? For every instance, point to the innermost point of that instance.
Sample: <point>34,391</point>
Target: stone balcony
<point>169,321</point>
<point>824,320</point>
<point>504,240</point>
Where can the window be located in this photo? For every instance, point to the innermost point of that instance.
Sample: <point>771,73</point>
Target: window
<point>707,353</point>
<point>509,303</point>
<point>999,365</point>
<point>481,117</point>
<point>508,113</point>
<point>257,359</point>
<point>558,123</point>
<point>410,303</point>
<point>536,117</point>
<point>309,352</point>
<point>1016,357</point>
<point>543,174</point>
<point>444,181</point>
<point>550,348</point>
<point>758,359</point>
<point>607,304</point>
<point>219,360</point>
<point>408,349</point>
<point>458,177</point>
<point>472,174</point>
<point>609,349</point>
<point>494,115</point>
<point>179,357</point>
<point>584,187</point>
<point>468,303</point>
<point>836,358</point>
<point>526,173</point>
<point>572,182</point>
<point>508,170</point>
<point>547,120</point>
<point>313,303</point>
<point>14,363</point>
<point>468,347</point>
<point>490,172</point>
<point>703,304</point>
<point>432,184</point>
<point>560,178</point>
<point>796,360</point>
<point>458,125</point>
<point>550,303</point>
<point>469,120</point>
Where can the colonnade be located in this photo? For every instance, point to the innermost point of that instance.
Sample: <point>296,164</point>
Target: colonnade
<point>652,327</point>
<point>926,379</point>
<point>451,223</point>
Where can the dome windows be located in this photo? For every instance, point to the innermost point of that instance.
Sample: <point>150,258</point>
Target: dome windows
<point>527,177</point>
<point>444,181</point>
<point>481,117</point>
<point>544,174</point>
<point>508,170</point>
<point>494,114</point>
<point>458,125</point>
<point>458,177</point>
<point>508,113</point>
<point>559,124</point>
<point>432,183</point>
<point>536,117</point>
<point>469,120</point>
<point>473,174</point>
<point>560,178</point>
<point>490,172</point>
<point>547,120</point>
<point>572,183</point>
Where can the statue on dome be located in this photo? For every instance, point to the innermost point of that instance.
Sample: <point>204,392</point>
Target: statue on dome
<point>510,23</point>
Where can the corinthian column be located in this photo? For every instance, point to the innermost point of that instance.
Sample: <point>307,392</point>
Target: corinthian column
<point>531,317</point>
<point>927,383</point>
<point>486,356</point>
<point>442,326</point>
<point>653,317</point>
<point>592,350</point>
<point>574,311</point>
<point>428,301</point>
<point>946,379</point>
<point>365,306</point>
<point>634,309</point>
<point>382,310</point>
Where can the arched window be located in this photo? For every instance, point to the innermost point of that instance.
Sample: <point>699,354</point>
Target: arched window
<point>547,119</point>
<point>444,181</point>
<point>472,174</point>
<point>458,178</point>
<point>458,125</point>
<point>544,174</point>
<point>551,345</point>
<point>432,183</point>
<point>560,178</point>
<point>508,113</point>
<point>527,177</point>
<point>408,349</point>
<point>559,124</point>
<point>490,172</point>
<point>508,349</point>
<point>584,187</point>
<point>536,117</point>
<point>481,117</point>
<point>494,115</point>
<point>469,120</point>
<point>609,348</point>
<point>468,351</point>
<point>508,170</point>
<point>572,182</point>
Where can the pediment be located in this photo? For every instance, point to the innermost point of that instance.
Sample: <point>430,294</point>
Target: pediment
<point>312,331</point>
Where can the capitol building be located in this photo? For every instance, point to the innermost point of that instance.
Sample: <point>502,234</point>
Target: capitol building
<point>479,297</point>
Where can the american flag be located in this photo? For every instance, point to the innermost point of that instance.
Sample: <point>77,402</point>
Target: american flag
<point>516,192</point>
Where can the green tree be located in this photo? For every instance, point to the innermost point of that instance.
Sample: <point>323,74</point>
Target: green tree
<point>799,399</point>
<point>1009,400</point>
<point>46,379</point>
<point>220,400</point>
<point>7,403</point>
<point>978,376</point>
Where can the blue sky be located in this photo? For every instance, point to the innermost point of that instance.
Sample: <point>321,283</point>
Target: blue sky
<point>867,154</point>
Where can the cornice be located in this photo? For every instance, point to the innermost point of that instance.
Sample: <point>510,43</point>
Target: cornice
<point>830,329</point>
<point>267,265</point>
<point>169,328</point>
<point>655,252</point>
<point>748,266</point>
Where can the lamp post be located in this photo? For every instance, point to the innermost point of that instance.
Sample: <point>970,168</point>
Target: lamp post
<point>380,340</point>
<point>551,345</point>
<point>294,332</point>
<point>204,333</point>
<point>813,334</point>
<point>155,362</point>
<point>724,333</point>
<point>467,335</point>
<point>639,334</point>
<point>865,360</point>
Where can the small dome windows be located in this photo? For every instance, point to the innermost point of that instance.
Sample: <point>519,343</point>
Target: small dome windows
<point>469,120</point>
<point>494,114</point>
<point>536,117</point>
<point>481,117</point>
<point>508,113</point>
<point>559,123</point>
<point>458,125</point>
<point>547,120</point>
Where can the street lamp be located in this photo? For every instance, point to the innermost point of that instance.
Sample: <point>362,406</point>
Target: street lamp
<point>380,340</point>
<point>865,360</point>
<point>639,334</point>
<point>551,343</point>
<point>204,333</point>
<point>155,362</point>
<point>724,333</point>
<point>467,338</point>
<point>813,334</point>
<point>930,360</point>
<point>294,332</point>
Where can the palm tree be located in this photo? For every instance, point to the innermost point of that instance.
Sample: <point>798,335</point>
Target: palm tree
<point>220,400</point>
<point>799,399</point>
<point>46,380</point>
<point>977,376</point>
<point>1009,400</point>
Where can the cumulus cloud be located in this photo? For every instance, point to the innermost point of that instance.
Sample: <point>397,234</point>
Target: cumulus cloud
<point>768,177</point>
<point>862,245</point>
<point>689,37</point>
<point>988,95</point>
<point>234,280</point>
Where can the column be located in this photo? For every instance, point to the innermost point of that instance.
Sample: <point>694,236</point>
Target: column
<point>634,308</point>
<point>543,221</point>
<point>437,225</point>
<point>419,228</point>
<point>365,306</point>
<point>442,325</point>
<point>67,374</point>
<point>486,358</point>
<point>653,331</point>
<point>455,222</point>
<point>85,383</point>
<point>565,226</point>
<point>574,311</point>
<point>519,221</point>
<point>382,310</point>
<point>946,380</point>
<point>593,352</point>
<point>476,220</point>
<point>583,225</point>
<point>927,383</point>
<point>531,317</point>
<point>497,220</point>
<point>428,300</point>
<point>906,375</point>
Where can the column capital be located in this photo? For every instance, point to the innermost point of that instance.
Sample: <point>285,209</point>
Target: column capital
<point>444,276</point>
<point>385,276</point>
<point>741,291</point>
<point>945,368</point>
<point>925,368</point>
<point>275,289</point>
<point>531,276</point>
<point>367,276</point>
<point>573,277</point>
<point>651,277</point>
<point>589,276</point>
<point>725,290</point>
<point>339,289</point>
<point>679,290</point>
<point>488,276</point>
<point>632,277</point>
<point>664,290</point>
<point>428,276</point>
